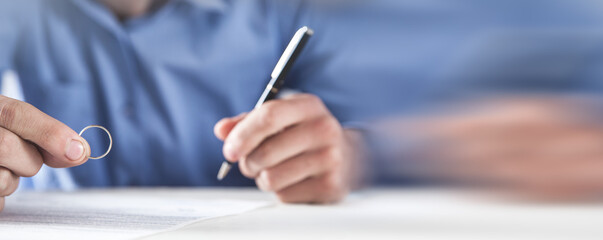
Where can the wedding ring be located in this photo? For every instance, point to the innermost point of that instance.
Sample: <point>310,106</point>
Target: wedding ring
<point>108,134</point>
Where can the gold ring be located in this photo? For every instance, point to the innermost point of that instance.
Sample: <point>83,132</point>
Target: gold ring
<point>108,134</point>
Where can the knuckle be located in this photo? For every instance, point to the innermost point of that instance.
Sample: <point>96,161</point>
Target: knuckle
<point>5,178</point>
<point>330,186</point>
<point>331,191</point>
<point>261,156</point>
<point>7,143</point>
<point>312,99</point>
<point>7,182</point>
<point>261,153</point>
<point>9,108</point>
<point>4,144</point>
<point>249,169</point>
<point>244,168</point>
<point>332,157</point>
<point>270,180</point>
<point>328,128</point>
<point>268,113</point>
<point>32,171</point>
<point>315,102</point>
<point>13,187</point>
<point>329,154</point>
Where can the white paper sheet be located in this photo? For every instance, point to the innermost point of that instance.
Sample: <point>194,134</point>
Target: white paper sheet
<point>107,215</point>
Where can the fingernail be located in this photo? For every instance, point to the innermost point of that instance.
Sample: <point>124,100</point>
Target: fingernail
<point>230,151</point>
<point>75,150</point>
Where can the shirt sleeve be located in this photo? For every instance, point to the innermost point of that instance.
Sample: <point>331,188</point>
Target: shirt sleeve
<point>387,159</point>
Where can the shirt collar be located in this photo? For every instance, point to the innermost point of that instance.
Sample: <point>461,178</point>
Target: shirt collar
<point>218,5</point>
<point>100,13</point>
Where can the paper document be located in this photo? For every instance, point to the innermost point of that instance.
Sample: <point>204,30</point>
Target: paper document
<point>107,215</point>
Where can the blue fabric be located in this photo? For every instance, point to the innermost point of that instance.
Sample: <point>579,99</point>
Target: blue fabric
<point>161,82</point>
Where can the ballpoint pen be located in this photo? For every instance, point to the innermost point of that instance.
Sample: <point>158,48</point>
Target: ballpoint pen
<point>293,50</point>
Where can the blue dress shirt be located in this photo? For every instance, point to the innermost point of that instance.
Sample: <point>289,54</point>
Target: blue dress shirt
<point>159,83</point>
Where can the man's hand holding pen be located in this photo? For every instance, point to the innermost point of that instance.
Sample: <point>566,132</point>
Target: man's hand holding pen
<point>294,147</point>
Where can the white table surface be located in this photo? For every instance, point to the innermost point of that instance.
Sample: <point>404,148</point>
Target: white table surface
<point>392,214</point>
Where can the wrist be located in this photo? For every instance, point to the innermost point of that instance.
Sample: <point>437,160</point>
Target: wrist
<point>358,174</point>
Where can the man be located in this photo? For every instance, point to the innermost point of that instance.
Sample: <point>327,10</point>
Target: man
<point>159,75</point>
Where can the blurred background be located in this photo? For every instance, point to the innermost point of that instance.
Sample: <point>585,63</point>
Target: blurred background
<point>496,95</point>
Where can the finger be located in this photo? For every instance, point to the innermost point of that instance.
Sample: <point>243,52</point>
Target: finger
<point>324,189</point>
<point>289,143</point>
<point>1,204</point>
<point>224,126</point>
<point>573,181</point>
<point>269,119</point>
<point>297,169</point>
<point>8,182</point>
<point>62,146</point>
<point>18,155</point>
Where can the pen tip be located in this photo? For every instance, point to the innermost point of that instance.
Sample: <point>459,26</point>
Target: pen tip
<point>224,169</point>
